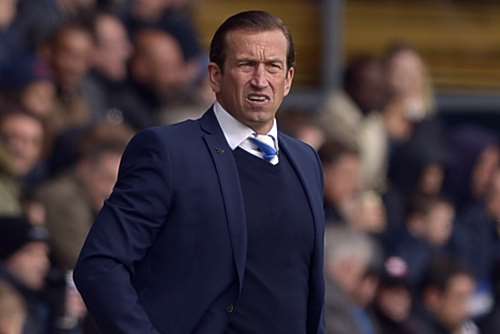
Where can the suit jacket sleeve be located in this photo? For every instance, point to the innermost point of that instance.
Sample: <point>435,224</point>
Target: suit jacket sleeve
<point>124,230</point>
<point>320,256</point>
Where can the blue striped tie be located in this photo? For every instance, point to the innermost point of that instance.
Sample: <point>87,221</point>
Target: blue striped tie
<point>268,151</point>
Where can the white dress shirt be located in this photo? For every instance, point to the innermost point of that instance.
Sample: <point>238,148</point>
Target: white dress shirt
<point>237,133</point>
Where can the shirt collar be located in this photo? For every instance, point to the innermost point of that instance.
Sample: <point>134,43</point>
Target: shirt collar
<point>235,131</point>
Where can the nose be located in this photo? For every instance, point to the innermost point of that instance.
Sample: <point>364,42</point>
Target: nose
<point>259,79</point>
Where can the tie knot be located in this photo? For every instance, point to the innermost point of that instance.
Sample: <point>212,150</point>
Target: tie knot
<point>265,144</point>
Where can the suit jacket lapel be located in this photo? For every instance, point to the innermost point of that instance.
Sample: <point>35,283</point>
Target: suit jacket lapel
<point>313,194</point>
<point>227,172</point>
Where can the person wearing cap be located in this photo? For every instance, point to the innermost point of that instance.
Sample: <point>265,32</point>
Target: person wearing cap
<point>28,82</point>
<point>446,296</point>
<point>393,301</point>
<point>24,263</point>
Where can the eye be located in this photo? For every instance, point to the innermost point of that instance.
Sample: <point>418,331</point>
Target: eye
<point>274,67</point>
<point>246,65</point>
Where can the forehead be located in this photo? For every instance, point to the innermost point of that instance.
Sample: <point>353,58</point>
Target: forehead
<point>15,121</point>
<point>74,39</point>
<point>269,43</point>
<point>461,282</point>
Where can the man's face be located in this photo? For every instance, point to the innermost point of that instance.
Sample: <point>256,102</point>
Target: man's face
<point>39,98</point>
<point>30,264</point>
<point>158,64</point>
<point>440,224</point>
<point>23,138</point>
<point>406,74</point>
<point>455,300</point>
<point>342,179</point>
<point>395,302</point>
<point>255,77</point>
<point>99,177</point>
<point>371,92</point>
<point>166,66</point>
<point>113,48</point>
<point>72,58</point>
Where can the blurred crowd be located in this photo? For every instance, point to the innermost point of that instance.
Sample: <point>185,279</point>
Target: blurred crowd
<point>413,206</point>
<point>77,79</point>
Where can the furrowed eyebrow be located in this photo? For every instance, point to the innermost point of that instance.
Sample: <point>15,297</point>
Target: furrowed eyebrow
<point>274,62</point>
<point>254,60</point>
<point>246,60</point>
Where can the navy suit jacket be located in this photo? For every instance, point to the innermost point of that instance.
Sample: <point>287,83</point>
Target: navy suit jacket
<point>167,252</point>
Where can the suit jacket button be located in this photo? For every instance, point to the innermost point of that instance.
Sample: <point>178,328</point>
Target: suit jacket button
<point>230,308</point>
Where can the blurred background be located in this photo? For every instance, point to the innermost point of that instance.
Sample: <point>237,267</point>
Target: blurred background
<point>400,98</point>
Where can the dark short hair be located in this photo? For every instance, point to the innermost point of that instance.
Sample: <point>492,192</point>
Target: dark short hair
<point>103,138</point>
<point>81,25</point>
<point>353,73</point>
<point>422,205</point>
<point>442,269</point>
<point>11,109</point>
<point>254,20</point>
<point>332,151</point>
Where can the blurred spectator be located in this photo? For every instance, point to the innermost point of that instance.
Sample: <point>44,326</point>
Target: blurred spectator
<point>28,82</point>
<point>478,240</point>
<point>173,18</point>
<point>409,83</point>
<point>33,209</point>
<point>38,20</point>
<point>350,283</point>
<point>364,91</point>
<point>428,234</point>
<point>23,135</point>
<point>21,144</point>
<point>417,170</point>
<point>158,76</point>
<point>303,125</point>
<point>12,310</point>
<point>393,303</point>
<point>439,222</point>
<point>113,48</point>
<point>406,118</point>
<point>373,142</point>
<point>446,294</point>
<point>85,187</point>
<point>165,15</point>
<point>474,158</point>
<point>70,56</point>
<point>108,77</point>
<point>24,264</point>
<point>341,167</point>
<point>411,93</point>
<point>9,185</point>
<point>352,116</point>
<point>367,213</point>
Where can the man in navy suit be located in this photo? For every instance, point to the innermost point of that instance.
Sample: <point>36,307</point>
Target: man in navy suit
<point>215,225</point>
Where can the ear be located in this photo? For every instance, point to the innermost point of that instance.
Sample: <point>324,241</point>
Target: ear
<point>289,79</point>
<point>214,77</point>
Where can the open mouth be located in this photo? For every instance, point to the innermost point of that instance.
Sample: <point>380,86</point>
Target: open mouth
<point>256,98</point>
